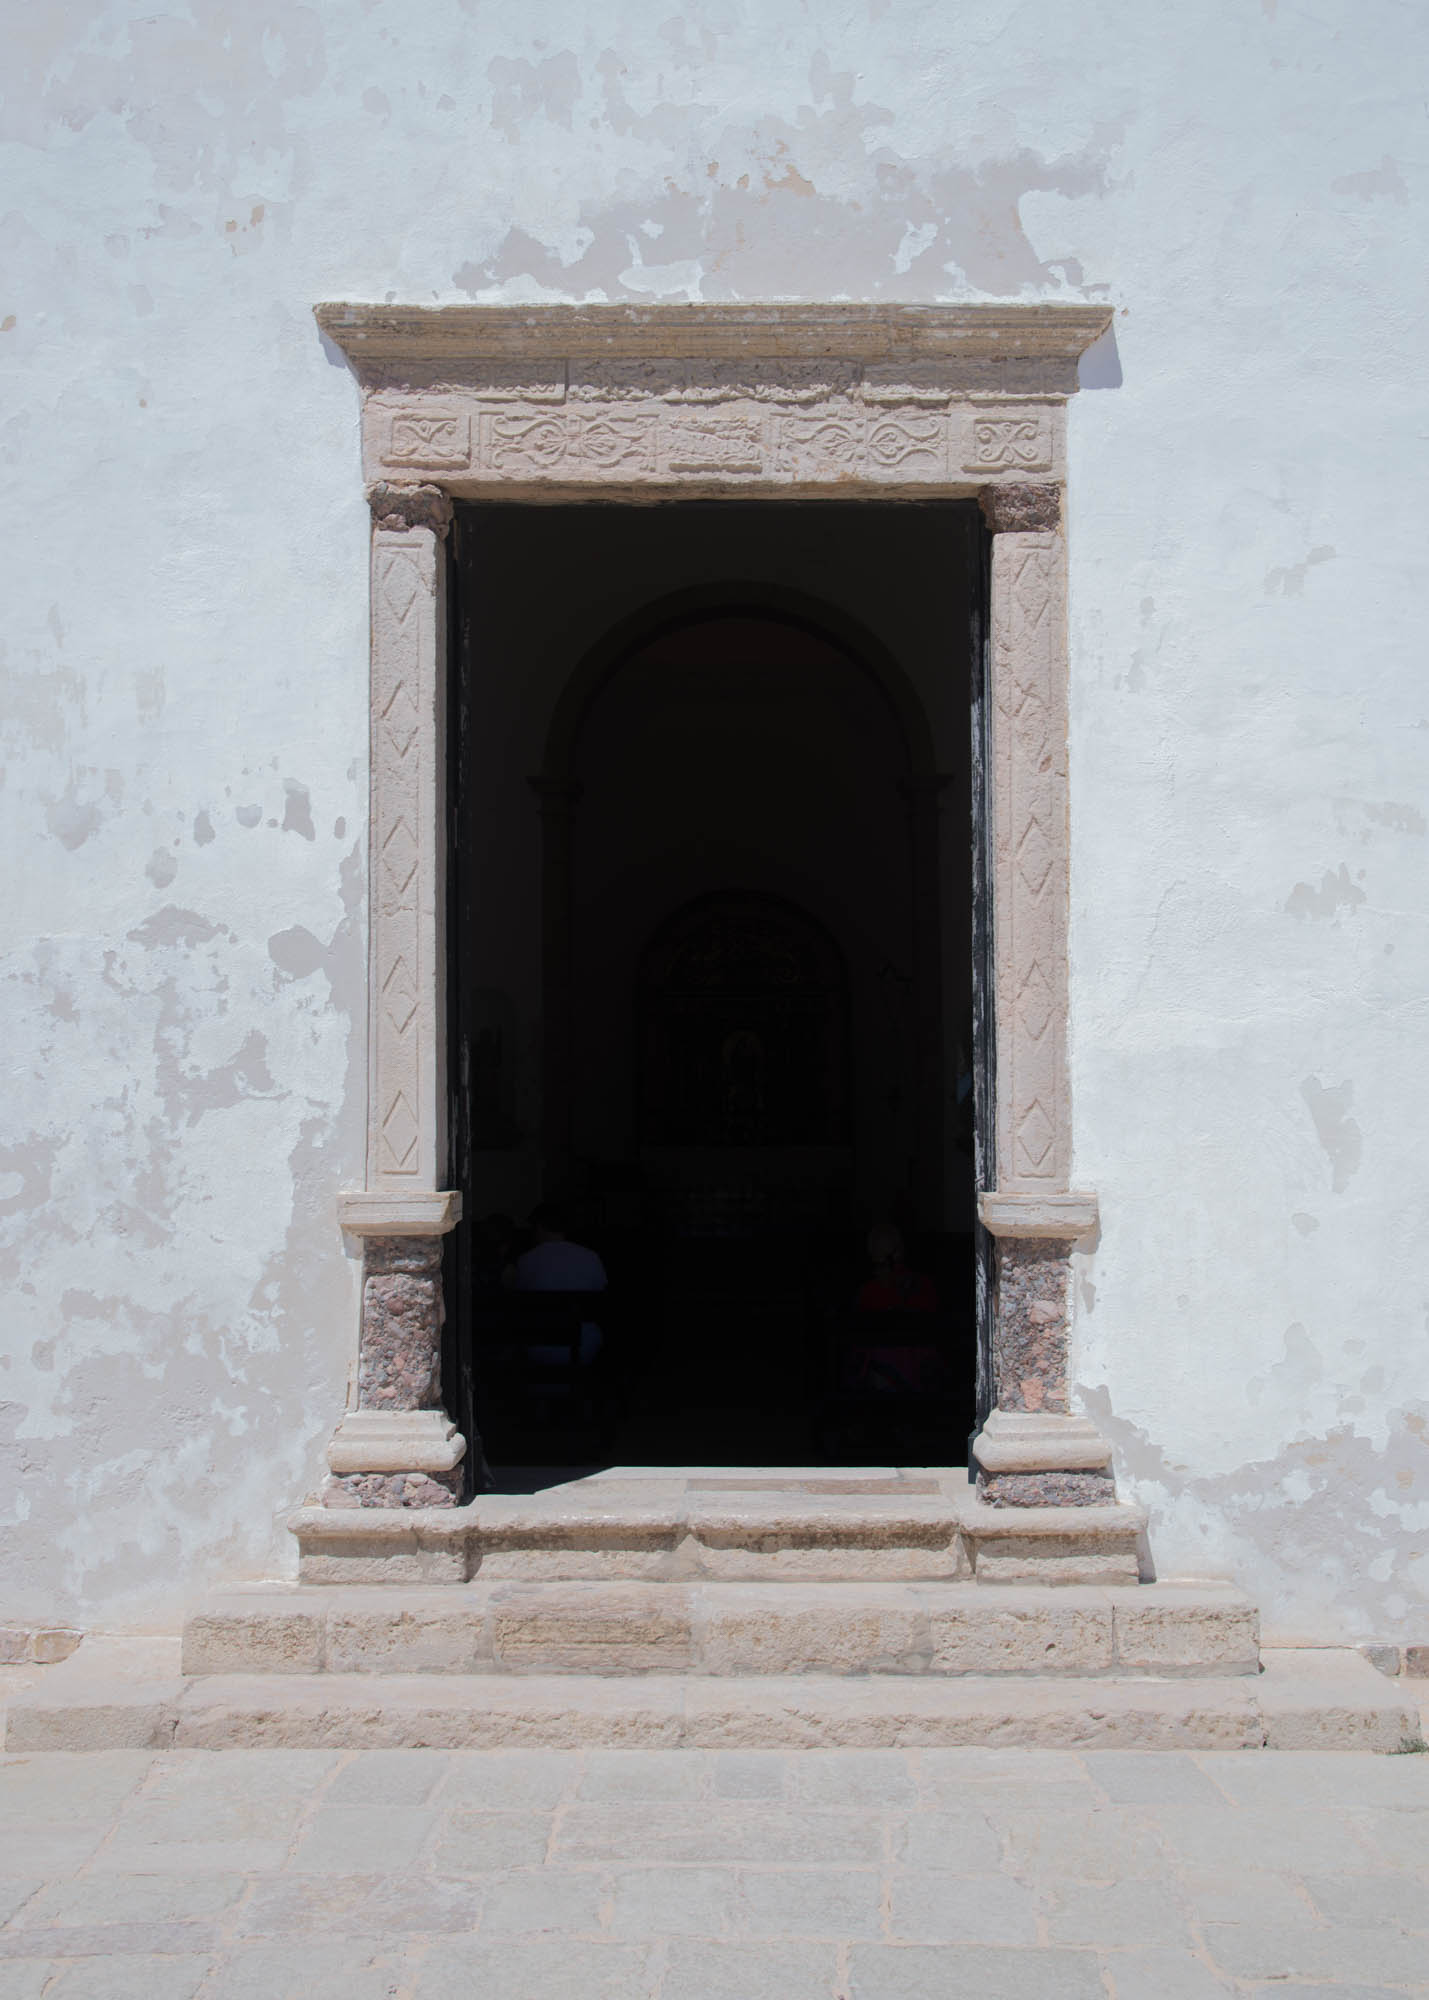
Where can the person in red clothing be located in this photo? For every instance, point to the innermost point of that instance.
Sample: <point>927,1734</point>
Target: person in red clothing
<point>909,1367</point>
<point>893,1287</point>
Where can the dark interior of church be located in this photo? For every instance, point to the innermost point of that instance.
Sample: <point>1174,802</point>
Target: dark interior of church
<point>711,937</point>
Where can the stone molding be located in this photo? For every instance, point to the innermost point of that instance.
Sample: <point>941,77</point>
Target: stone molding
<point>1040,1441</point>
<point>1063,1217</point>
<point>858,401</point>
<point>399,1214</point>
<point>712,397</point>
<point>545,336</point>
<point>390,1441</point>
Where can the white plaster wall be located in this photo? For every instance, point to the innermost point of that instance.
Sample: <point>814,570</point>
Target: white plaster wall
<point>184,727</point>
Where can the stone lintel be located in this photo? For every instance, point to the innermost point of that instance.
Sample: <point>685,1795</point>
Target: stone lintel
<point>724,331</point>
<point>380,1214</point>
<point>1040,1441</point>
<point>1055,1217</point>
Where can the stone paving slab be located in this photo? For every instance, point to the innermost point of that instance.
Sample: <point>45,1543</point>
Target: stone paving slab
<point>690,1874</point>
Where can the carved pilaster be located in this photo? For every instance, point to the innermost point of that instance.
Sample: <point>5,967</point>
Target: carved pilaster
<point>406,1120</point>
<point>1033,1451</point>
<point>1029,845</point>
<point>397,1448</point>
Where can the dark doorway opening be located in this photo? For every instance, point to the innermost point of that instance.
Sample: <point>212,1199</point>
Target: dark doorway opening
<point>711,949</point>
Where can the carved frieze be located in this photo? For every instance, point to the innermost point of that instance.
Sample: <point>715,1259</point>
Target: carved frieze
<point>817,422</point>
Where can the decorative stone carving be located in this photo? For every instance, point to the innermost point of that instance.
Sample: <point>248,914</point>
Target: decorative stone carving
<point>400,508</point>
<point>449,392</point>
<point>714,446</point>
<point>408,659</point>
<point>437,438</point>
<point>1020,442</point>
<point>1030,859</point>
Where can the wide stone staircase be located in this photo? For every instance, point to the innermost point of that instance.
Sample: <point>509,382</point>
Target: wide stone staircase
<point>718,1608</point>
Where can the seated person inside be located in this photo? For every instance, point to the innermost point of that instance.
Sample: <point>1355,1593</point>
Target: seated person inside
<point>555,1264</point>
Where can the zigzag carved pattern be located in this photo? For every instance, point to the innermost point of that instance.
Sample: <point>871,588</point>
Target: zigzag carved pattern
<point>400,593</point>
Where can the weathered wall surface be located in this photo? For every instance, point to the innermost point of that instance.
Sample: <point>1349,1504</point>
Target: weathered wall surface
<point>184,730</point>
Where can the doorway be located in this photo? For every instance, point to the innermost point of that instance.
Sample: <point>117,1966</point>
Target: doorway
<point>711,958</point>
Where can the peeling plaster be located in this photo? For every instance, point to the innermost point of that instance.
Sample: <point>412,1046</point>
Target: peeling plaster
<point>1281,1526</point>
<point>1334,1128</point>
<point>1335,893</point>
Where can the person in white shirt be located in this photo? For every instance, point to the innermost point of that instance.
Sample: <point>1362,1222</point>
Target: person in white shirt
<point>555,1264</point>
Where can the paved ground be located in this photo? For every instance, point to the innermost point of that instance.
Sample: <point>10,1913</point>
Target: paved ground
<point>728,1875</point>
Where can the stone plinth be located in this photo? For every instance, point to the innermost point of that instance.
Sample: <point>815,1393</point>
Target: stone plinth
<point>398,1447</point>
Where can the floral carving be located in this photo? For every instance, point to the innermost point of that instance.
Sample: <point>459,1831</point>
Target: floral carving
<point>1018,443</point>
<point>432,439</point>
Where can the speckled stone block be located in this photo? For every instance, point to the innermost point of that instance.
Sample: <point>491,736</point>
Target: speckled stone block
<point>393,1489</point>
<point>1029,1343</point>
<point>399,1363</point>
<point>1047,1489</point>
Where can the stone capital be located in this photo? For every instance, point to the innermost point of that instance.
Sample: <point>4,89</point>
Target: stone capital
<point>400,508</point>
<point>1053,1217</point>
<point>415,1214</point>
<point>1017,508</point>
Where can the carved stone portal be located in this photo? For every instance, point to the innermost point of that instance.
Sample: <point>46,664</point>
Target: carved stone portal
<point>800,401</point>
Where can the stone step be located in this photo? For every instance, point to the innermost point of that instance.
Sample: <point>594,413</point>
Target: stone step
<point>709,1627</point>
<point>114,1695</point>
<point>670,1526</point>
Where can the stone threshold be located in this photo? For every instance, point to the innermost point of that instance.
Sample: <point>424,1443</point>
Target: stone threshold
<point>130,1694</point>
<point>677,1523</point>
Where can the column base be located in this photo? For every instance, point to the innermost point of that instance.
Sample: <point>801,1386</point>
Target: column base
<point>1042,1458</point>
<point>395,1458</point>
